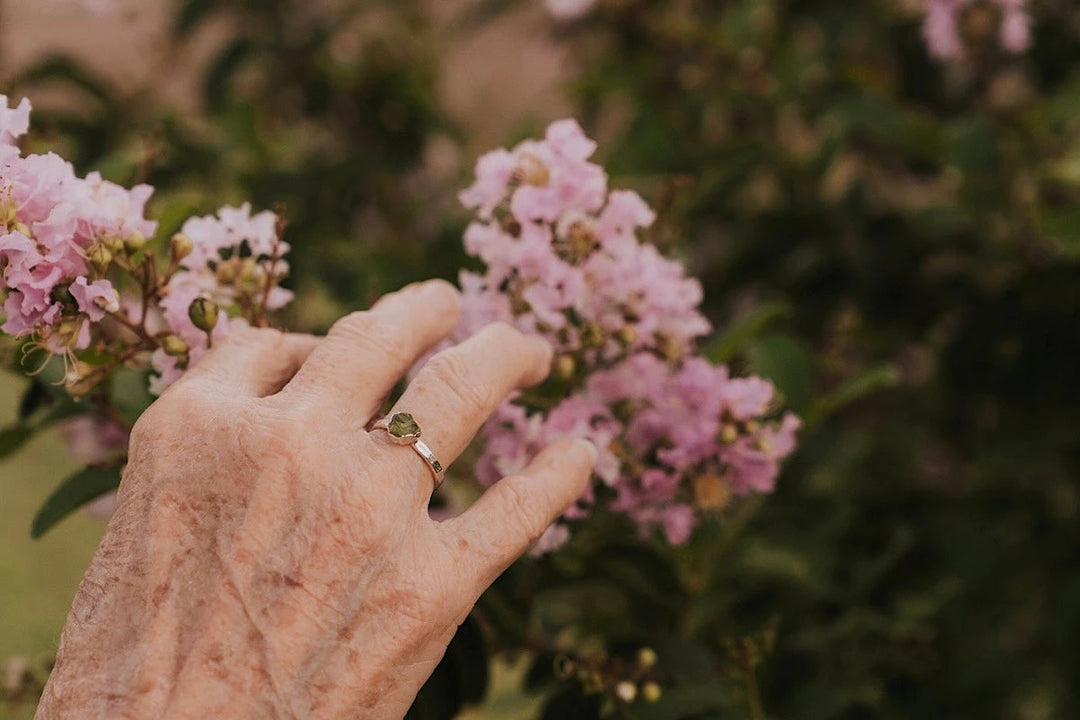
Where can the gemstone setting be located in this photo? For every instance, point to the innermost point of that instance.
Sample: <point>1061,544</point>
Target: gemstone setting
<point>403,428</point>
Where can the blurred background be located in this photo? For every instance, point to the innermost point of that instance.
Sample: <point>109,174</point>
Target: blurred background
<point>891,237</point>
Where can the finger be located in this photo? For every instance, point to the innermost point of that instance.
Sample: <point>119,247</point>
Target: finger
<point>514,512</point>
<point>254,361</point>
<point>459,388</point>
<point>366,353</point>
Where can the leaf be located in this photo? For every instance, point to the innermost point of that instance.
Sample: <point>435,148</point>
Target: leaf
<point>743,330</point>
<point>190,15</point>
<point>66,70</point>
<point>14,437</point>
<point>82,487</point>
<point>786,361</point>
<point>35,397</point>
<point>858,386</point>
<point>221,71</point>
<point>129,393</point>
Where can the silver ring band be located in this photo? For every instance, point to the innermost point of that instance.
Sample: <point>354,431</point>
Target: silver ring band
<point>403,430</point>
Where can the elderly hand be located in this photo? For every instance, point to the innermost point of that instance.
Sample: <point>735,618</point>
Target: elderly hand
<point>271,557</point>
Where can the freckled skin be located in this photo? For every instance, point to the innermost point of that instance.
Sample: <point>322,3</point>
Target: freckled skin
<point>270,558</point>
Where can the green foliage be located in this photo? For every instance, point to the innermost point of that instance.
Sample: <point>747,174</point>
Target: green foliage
<point>77,490</point>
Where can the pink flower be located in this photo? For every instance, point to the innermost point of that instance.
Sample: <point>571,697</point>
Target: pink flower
<point>569,9</point>
<point>1015,26</point>
<point>563,260</point>
<point>91,439</point>
<point>96,298</point>
<point>14,122</point>
<point>940,29</point>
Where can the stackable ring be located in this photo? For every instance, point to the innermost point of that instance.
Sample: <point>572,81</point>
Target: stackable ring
<point>404,430</point>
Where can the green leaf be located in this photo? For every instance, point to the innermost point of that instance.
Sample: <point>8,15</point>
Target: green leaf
<point>14,437</point>
<point>62,69</point>
<point>35,397</point>
<point>82,487</point>
<point>219,75</point>
<point>129,393</point>
<point>868,381</point>
<point>786,361</point>
<point>190,14</point>
<point>743,330</point>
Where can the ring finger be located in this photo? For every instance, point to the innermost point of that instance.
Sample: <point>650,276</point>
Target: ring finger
<point>459,388</point>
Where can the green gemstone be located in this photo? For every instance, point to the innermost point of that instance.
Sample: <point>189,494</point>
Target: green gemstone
<point>402,426</point>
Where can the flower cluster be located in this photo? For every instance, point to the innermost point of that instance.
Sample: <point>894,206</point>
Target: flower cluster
<point>942,26</point>
<point>57,241</point>
<point>78,270</point>
<point>233,259</point>
<point>563,260</point>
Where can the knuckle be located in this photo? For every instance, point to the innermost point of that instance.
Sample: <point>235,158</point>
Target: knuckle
<point>369,331</point>
<point>522,510</point>
<point>451,369</point>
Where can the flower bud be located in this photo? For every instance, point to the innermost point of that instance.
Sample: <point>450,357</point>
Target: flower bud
<point>564,367</point>
<point>226,272</point>
<point>711,492</point>
<point>174,345</point>
<point>669,347</point>
<point>592,335</point>
<point>16,673</point>
<point>135,242</point>
<point>626,691</point>
<point>101,257</point>
<point>646,657</point>
<point>651,692</point>
<point>591,682</point>
<point>203,313</point>
<point>247,269</point>
<point>627,334</point>
<point>114,243</point>
<point>564,667</point>
<point>180,246</point>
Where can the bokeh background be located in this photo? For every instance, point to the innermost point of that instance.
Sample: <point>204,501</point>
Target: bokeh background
<point>892,239</point>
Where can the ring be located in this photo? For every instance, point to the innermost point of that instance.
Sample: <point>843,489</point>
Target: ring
<point>403,430</point>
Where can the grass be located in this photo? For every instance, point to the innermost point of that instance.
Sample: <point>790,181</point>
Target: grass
<point>38,578</point>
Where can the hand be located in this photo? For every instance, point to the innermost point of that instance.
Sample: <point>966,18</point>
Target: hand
<point>272,558</point>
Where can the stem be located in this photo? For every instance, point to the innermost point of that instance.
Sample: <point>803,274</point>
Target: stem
<point>753,696</point>
<point>137,328</point>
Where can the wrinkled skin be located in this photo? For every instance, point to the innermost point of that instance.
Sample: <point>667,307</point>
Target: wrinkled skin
<point>270,557</point>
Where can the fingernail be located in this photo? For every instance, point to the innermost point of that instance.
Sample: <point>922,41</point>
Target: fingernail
<point>589,448</point>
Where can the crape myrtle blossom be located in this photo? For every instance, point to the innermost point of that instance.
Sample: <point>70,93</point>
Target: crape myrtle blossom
<point>562,259</point>
<point>67,243</point>
<point>942,22</point>
<point>53,241</point>
<point>233,255</point>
